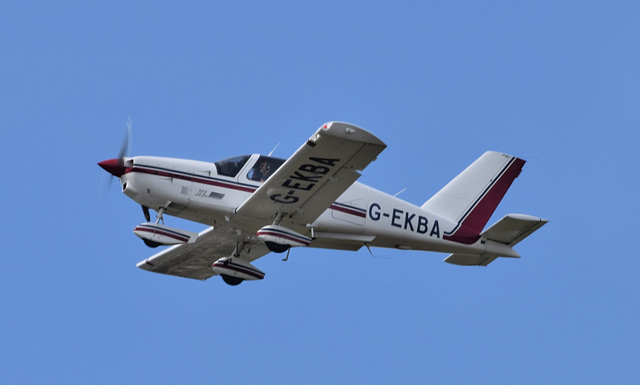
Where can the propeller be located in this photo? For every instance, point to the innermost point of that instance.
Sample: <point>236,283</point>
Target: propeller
<point>115,166</point>
<point>124,147</point>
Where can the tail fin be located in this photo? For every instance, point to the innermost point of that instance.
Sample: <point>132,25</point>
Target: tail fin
<point>470,199</point>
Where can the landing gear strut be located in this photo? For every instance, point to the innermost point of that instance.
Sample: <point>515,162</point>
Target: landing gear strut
<point>160,216</point>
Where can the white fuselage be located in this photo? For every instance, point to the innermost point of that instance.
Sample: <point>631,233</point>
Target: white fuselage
<point>195,191</point>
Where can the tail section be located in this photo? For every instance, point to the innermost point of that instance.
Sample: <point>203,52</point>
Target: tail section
<point>470,199</point>
<point>500,238</point>
<point>513,228</point>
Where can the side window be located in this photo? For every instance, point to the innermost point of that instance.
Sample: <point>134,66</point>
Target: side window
<point>264,168</point>
<point>231,167</point>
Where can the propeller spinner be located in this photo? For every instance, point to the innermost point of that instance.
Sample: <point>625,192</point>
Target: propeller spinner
<point>116,166</point>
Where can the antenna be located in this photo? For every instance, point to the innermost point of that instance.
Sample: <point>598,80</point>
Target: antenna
<point>400,192</point>
<point>374,256</point>
<point>273,149</point>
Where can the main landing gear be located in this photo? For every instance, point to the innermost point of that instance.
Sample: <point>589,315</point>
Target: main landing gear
<point>232,281</point>
<point>159,218</point>
<point>157,234</point>
<point>235,269</point>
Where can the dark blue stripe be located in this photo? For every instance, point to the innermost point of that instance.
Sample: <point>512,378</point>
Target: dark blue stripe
<point>192,177</point>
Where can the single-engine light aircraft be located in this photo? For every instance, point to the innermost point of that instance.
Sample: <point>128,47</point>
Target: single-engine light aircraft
<point>254,204</point>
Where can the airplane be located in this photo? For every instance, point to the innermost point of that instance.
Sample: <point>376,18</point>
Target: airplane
<point>256,204</point>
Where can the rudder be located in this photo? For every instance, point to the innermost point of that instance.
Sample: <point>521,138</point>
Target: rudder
<point>470,198</point>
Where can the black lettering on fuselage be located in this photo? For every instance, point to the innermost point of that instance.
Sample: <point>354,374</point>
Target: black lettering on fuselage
<point>405,220</point>
<point>397,214</point>
<point>435,230</point>
<point>422,225</point>
<point>374,215</point>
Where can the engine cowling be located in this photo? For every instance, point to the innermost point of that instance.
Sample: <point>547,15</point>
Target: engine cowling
<point>279,238</point>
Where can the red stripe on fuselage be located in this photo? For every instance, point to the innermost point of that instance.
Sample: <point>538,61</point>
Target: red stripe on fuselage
<point>361,214</point>
<point>192,178</point>
<point>229,185</point>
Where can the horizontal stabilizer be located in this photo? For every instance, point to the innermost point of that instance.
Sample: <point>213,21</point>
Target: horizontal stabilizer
<point>513,228</point>
<point>500,238</point>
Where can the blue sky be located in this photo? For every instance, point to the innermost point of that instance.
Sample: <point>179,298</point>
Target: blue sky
<point>557,84</point>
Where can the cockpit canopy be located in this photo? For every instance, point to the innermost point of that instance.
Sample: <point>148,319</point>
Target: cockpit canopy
<point>231,166</point>
<point>262,169</point>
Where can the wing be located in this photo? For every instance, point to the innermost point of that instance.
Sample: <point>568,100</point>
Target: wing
<point>194,260</point>
<point>314,176</point>
<point>299,191</point>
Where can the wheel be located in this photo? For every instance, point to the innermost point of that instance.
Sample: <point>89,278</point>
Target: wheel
<point>233,281</point>
<point>277,247</point>
<point>151,243</point>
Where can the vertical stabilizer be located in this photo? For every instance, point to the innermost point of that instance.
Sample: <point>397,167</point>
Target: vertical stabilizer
<point>470,199</point>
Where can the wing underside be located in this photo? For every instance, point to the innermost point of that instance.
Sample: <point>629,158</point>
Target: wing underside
<point>194,260</point>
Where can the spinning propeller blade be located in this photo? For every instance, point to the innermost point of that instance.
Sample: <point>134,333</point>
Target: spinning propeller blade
<point>124,147</point>
<point>115,166</point>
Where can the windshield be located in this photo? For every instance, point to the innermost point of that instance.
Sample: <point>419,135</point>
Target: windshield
<point>231,166</point>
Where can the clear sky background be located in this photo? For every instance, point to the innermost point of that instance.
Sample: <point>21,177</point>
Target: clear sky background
<point>556,83</point>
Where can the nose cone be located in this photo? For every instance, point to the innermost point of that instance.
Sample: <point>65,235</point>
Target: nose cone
<point>113,166</point>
